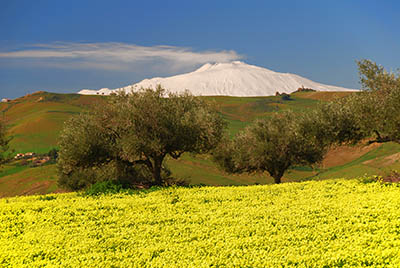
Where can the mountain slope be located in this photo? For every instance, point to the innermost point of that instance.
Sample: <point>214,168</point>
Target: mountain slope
<point>228,79</point>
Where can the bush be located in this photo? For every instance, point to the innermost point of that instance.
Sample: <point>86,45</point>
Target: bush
<point>171,181</point>
<point>47,198</point>
<point>128,176</point>
<point>369,179</point>
<point>286,97</point>
<point>104,187</point>
<point>393,177</point>
<point>53,154</point>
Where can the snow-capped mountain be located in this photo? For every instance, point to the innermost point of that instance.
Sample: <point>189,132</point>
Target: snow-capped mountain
<point>227,79</point>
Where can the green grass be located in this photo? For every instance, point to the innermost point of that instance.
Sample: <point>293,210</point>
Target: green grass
<point>234,126</point>
<point>11,169</point>
<point>241,111</point>
<point>201,170</point>
<point>38,130</point>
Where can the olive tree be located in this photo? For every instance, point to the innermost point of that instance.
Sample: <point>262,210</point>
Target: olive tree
<point>379,104</point>
<point>274,144</point>
<point>374,77</point>
<point>370,114</point>
<point>339,121</point>
<point>132,134</point>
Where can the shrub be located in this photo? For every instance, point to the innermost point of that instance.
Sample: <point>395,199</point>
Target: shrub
<point>104,187</point>
<point>53,154</point>
<point>393,177</point>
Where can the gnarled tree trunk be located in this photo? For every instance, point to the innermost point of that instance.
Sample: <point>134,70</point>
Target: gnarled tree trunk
<point>277,175</point>
<point>157,167</point>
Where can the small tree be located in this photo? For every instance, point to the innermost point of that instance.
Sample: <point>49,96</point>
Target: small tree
<point>274,144</point>
<point>133,133</point>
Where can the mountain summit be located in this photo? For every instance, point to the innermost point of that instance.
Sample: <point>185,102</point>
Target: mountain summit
<point>228,79</point>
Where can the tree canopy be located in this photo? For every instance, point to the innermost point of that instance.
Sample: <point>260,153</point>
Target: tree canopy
<point>371,113</point>
<point>129,137</point>
<point>274,144</point>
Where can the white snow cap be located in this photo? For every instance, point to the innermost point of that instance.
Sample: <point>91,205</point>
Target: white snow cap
<point>227,79</point>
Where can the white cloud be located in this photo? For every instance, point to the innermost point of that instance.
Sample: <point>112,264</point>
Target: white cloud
<point>115,56</point>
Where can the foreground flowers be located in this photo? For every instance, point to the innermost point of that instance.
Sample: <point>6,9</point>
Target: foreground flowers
<point>335,223</point>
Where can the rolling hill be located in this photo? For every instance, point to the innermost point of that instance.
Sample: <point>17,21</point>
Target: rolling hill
<point>35,121</point>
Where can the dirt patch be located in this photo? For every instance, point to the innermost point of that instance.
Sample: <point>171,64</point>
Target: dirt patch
<point>323,95</point>
<point>343,154</point>
<point>39,187</point>
<point>387,161</point>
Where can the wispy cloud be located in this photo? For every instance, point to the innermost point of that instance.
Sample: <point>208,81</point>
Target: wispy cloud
<point>115,56</point>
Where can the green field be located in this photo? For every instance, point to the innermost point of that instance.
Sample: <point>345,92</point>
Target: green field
<point>331,223</point>
<point>35,121</point>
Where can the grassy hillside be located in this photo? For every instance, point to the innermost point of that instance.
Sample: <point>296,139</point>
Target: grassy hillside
<point>35,121</point>
<point>379,160</point>
<point>332,223</point>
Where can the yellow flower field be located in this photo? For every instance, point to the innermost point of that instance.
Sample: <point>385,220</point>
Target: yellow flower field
<point>333,223</point>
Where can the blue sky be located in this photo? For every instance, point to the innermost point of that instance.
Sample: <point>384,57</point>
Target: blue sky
<point>64,46</point>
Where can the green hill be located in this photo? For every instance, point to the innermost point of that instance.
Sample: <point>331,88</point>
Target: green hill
<point>35,121</point>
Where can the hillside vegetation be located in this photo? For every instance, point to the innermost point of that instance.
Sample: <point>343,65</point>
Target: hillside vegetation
<point>35,121</point>
<point>332,223</point>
